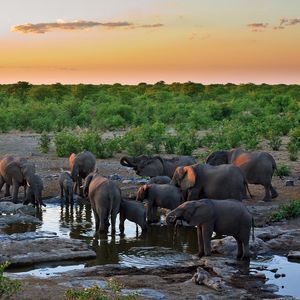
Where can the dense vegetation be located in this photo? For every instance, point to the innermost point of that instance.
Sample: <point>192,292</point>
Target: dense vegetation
<point>233,115</point>
<point>287,210</point>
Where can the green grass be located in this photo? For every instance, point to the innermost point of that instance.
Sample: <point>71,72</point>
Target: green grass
<point>288,210</point>
<point>8,287</point>
<point>283,170</point>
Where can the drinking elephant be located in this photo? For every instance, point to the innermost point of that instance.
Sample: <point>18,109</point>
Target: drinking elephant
<point>153,166</point>
<point>66,186</point>
<point>160,180</point>
<point>159,195</point>
<point>105,199</point>
<point>34,191</point>
<point>214,182</point>
<point>81,165</point>
<point>14,171</point>
<point>258,167</point>
<point>226,217</point>
<point>134,212</point>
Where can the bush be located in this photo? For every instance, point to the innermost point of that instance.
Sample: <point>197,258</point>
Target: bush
<point>8,287</point>
<point>66,142</point>
<point>274,140</point>
<point>170,144</point>
<point>293,150</point>
<point>286,211</point>
<point>44,142</point>
<point>283,170</point>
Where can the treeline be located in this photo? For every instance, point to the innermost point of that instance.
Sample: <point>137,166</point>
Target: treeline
<point>234,114</point>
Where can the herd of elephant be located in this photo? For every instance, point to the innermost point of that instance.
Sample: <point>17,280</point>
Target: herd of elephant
<point>191,191</point>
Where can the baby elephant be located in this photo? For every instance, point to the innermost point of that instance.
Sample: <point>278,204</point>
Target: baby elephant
<point>224,217</point>
<point>134,212</point>
<point>159,195</point>
<point>160,180</point>
<point>34,191</point>
<point>66,186</point>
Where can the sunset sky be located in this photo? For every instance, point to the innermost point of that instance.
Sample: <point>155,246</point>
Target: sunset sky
<point>132,41</point>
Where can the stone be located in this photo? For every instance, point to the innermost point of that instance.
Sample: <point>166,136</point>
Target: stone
<point>144,292</point>
<point>289,182</point>
<point>294,255</point>
<point>16,208</point>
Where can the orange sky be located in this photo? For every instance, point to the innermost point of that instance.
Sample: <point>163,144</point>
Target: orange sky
<point>144,41</point>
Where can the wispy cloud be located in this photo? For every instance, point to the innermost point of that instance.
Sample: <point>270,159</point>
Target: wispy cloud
<point>283,23</point>
<point>41,28</point>
<point>257,27</point>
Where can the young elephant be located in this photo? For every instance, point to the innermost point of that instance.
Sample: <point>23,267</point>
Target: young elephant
<point>159,195</point>
<point>134,212</point>
<point>225,217</point>
<point>34,191</point>
<point>66,187</point>
<point>105,198</point>
<point>159,180</point>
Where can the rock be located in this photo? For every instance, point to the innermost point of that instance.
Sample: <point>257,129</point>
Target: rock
<point>271,288</point>
<point>202,277</point>
<point>18,219</point>
<point>35,250</point>
<point>289,182</point>
<point>144,292</point>
<point>294,255</point>
<point>126,181</point>
<point>85,283</point>
<point>13,208</point>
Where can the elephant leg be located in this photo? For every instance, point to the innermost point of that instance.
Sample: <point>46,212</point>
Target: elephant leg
<point>7,192</point>
<point>96,217</point>
<point>121,224</point>
<point>80,187</point>
<point>113,221</point>
<point>274,193</point>
<point>240,248</point>
<point>200,241</point>
<point>267,197</point>
<point>104,224</point>
<point>207,231</point>
<point>246,253</point>
<point>15,185</point>
<point>61,192</point>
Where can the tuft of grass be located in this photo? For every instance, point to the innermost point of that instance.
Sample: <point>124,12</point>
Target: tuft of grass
<point>44,142</point>
<point>288,210</point>
<point>8,287</point>
<point>112,291</point>
<point>283,170</point>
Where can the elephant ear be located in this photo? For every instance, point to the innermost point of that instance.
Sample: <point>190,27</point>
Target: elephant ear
<point>142,193</point>
<point>202,212</point>
<point>72,160</point>
<point>188,178</point>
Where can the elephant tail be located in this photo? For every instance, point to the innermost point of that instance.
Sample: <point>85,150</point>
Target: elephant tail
<point>247,187</point>
<point>253,237</point>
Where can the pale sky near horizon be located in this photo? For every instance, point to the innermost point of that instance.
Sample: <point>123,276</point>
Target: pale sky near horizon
<point>132,41</point>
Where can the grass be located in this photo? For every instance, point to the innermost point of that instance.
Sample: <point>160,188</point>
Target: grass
<point>288,210</point>
<point>8,287</point>
<point>283,170</point>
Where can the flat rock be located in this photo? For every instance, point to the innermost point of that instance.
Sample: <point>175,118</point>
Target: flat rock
<point>294,255</point>
<point>18,219</point>
<point>36,250</point>
<point>16,208</point>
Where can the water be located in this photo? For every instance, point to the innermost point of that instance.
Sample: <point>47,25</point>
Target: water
<point>288,284</point>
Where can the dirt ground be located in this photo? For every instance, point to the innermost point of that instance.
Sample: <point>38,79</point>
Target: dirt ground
<point>49,167</point>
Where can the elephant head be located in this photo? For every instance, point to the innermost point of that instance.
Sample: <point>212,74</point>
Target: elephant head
<point>184,177</point>
<point>193,212</point>
<point>144,165</point>
<point>217,158</point>
<point>142,193</point>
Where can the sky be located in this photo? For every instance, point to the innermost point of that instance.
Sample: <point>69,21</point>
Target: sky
<point>132,41</point>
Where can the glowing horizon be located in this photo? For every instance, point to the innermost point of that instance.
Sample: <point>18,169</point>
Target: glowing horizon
<point>138,41</point>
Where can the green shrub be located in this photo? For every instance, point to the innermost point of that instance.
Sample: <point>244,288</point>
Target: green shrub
<point>286,211</point>
<point>112,291</point>
<point>283,170</point>
<point>293,150</point>
<point>66,142</point>
<point>275,141</point>
<point>170,144</point>
<point>8,287</point>
<point>44,142</point>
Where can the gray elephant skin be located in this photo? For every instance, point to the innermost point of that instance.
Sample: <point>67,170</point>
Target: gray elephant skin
<point>34,191</point>
<point>14,171</point>
<point>133,211</point>
<point>152,166</point>
<point>81,165</point>
<point>201,181</point>
<point>105,198</point>
<point>160,180</point>
<point>224,217</point>
<point>66,187</point>
<point>257,166</point>
<point>159,195</point>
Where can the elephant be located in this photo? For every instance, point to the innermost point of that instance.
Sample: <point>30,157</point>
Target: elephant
<point>81,165</point>
<point>153,166</point>
<point>34,191</point>
<point>105,198</point>
<point>159,180</point>
<point>15,171</point>
<point>159,195</point>
<point>214,182</point>
<point>134,212</point>
<point>257,166</point>
<point>66,187</point>
<point>226,217</point>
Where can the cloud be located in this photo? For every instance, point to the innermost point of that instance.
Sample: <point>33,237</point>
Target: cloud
<point>257,27</point>
<point>41,28</point>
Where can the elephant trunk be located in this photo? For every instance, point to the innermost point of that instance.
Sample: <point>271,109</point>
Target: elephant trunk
<point>171,218</point>
<point>127,162</point>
